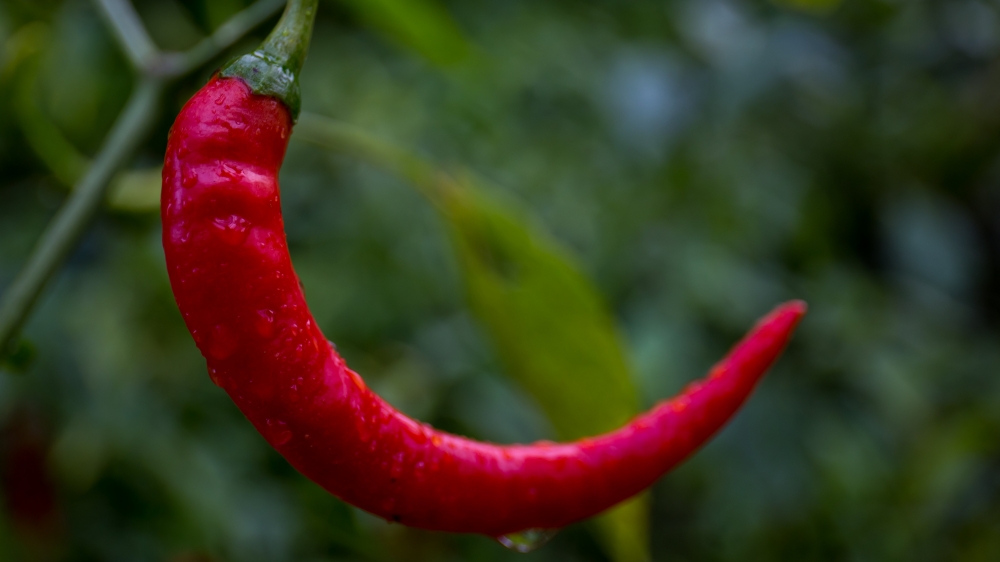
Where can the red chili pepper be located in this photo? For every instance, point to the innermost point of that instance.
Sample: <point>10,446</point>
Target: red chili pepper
<point>233,279</point>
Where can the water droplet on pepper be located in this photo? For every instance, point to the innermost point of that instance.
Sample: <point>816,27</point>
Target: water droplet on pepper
<point>527,540</point>
<point>277,432</point>
<point>216,377</point>
<point>264,323</point>
<point>189,178</point>
<point>231,229</point>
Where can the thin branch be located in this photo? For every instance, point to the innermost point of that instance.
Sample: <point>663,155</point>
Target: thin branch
<point>179,64</point>
<point>131,191</point>
<point>341,137</point>
<point>131,32</point>
<point>70,222</point>
<point>127,133</point>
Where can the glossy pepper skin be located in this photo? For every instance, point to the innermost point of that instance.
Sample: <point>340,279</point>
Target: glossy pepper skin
<point>233,279</point>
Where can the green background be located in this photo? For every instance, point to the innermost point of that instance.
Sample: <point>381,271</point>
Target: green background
<point>679,167</point>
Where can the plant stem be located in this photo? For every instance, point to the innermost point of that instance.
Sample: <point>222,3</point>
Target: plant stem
<point>288,42</point>
<point>69,223</point>
<point>273,69</point>
<point>131,33</point>
<point>179,64</point>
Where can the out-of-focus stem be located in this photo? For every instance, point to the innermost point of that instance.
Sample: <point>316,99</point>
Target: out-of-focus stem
<point>179,64</point>
<point>131,127</point>
<point>132,35</point>
<point>69,223</point>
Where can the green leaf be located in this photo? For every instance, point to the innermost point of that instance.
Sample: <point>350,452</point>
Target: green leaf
<point>136,191</point>
<point>423,26</point>
<point>624,530</point>
<point>549,326</point>
<point>551,330</point>
<point>18,357</point>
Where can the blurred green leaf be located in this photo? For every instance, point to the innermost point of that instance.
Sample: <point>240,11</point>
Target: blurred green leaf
<point>78,454</point>
<point>551,331</point>
<point>136,191</point>
<point>625,529</point>
<point>549,325</point>
<point>423,26</point>
<point>18,356</point>
<point>131,190</point>
<point>218,11</point>
<point>23,50</point>
<point>49,144</point>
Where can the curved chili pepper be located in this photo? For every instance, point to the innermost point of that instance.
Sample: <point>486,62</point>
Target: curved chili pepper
<point>232,276</point>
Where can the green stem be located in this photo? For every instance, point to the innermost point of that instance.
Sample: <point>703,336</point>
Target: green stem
<point>273,69</point>
<point>288,42</point>
<point>69,223</point>
<point>179,64</point>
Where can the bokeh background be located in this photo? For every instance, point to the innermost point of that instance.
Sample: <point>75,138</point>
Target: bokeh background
<point>687,164</point>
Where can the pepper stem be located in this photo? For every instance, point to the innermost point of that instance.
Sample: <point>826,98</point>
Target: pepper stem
<point>273,69</point>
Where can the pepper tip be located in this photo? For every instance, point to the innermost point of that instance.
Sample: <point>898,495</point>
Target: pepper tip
<point>798,306</point>
<point>789,314</point>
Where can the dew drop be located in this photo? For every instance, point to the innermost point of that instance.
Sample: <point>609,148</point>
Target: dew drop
<point>357,380</point>
<point>264,323</point>
<point>180,233</point>
<point>216,377</point>
<point>364,432</point>
<point>189,178</point>
<point>229,172</point>
<point>419,436</point>
<point>527,540</point>
<point>277,432</point>
<point>679,404</point>
<point>232,229</point>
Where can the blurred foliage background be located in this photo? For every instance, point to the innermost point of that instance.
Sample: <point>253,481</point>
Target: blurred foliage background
<point>658,174</point>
